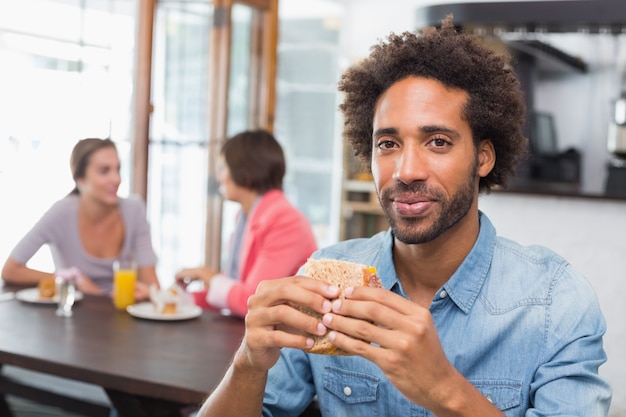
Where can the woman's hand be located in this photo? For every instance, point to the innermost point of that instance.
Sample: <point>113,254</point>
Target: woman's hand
<point>85,285</point>
<point>185,276</point>
<point>142,291</point>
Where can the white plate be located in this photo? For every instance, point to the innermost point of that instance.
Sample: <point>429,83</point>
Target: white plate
<point>31,295</point>
<point>146,311</point>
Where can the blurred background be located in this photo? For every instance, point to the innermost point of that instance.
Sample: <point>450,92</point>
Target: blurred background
<point>83,68</point>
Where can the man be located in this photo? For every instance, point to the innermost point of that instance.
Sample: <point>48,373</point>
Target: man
<point>468,323</point>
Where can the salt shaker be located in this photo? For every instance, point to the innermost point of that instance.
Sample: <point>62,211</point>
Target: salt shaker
<point>66,291</point>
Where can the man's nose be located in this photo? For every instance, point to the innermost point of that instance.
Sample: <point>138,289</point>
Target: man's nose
<point>411,165</point>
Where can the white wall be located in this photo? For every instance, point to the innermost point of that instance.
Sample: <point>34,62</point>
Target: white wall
<point>590,233</point>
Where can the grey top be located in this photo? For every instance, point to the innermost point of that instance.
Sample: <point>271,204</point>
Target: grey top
<point>58,228</point>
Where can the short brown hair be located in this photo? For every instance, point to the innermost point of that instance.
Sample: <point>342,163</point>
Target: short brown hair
<point>256,160</point>
<point>495,109</point>
<point>81,154</point>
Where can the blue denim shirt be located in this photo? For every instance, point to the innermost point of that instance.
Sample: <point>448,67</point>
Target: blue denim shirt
<point>518,322</point>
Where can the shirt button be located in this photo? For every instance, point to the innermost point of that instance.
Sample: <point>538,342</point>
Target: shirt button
<point>443,294</point>
<point>347,391</point>
<point>489,398</point>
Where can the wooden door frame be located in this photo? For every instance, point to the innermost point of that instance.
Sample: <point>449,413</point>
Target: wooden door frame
<point>262,100</point>
<point>142,101</point>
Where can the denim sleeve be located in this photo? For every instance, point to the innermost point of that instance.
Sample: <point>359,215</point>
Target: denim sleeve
<point>290,387</point>
<point>567,383</point>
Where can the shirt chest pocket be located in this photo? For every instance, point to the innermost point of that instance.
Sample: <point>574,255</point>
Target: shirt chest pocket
<point>504,394</point>
<point>349,386</point>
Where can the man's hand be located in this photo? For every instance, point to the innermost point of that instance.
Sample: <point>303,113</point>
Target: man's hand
<point>406,346</point>
<point>273,320</point>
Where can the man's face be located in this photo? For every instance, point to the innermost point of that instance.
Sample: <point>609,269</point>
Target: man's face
<point>425,165</point>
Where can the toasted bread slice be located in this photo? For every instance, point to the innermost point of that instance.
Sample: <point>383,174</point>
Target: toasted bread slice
<point>343,274</point>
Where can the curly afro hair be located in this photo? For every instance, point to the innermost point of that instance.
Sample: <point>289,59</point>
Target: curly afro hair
<point>495,109</point>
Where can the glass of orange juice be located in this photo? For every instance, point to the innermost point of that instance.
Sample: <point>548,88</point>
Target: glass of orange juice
<point>124,278</point>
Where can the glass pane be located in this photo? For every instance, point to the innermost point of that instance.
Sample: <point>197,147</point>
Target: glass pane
<point>63,77</point>
<point>240,69</point>
<point>238,100</point>
<point>177,180</point>
<point>306,114</point>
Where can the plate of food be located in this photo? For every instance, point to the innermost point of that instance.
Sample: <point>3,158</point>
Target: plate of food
<point>44,293</point>
<point>147,310</point>
<point>170,304</point>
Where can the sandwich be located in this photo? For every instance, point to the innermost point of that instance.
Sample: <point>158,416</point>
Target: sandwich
<point>343,274</point>
<point>168,301</point>
<point>47,288</point>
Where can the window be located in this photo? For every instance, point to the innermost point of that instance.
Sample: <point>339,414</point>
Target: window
<point>64,82</point>
<point>307,120</point>
<point>65,75</point>
<point>177,179</point>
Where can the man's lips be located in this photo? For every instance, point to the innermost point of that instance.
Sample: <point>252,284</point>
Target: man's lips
<point>412,206</point>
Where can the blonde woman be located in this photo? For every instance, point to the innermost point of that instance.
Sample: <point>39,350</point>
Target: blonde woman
<point>90,228</point>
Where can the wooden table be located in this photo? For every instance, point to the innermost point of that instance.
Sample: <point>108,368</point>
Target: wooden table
<point>147,368</point>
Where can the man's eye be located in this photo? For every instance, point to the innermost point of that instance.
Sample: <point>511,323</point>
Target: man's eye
<point>386,144</point>
<point>439,142</point>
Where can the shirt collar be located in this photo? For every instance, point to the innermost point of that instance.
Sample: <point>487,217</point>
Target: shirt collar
<point>465,284</point>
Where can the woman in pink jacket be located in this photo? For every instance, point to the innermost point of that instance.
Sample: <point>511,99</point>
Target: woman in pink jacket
<point>272,239</point>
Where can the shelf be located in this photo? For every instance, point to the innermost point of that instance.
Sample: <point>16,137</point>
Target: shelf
<point>548,59</point>
<point>350,207</point>
<point>360,196</point>
<point>359,186</point>
<point>363,224</point>
<point>548,16</point>
<point>362,215</point>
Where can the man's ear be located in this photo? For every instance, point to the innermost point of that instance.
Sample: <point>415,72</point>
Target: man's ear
<point>486,157</point>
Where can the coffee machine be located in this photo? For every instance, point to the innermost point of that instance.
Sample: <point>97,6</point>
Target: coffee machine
<point>616,141</point>
<point>616,145</point>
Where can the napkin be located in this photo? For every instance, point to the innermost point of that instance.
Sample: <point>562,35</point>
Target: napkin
<point>68,274</point>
